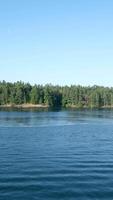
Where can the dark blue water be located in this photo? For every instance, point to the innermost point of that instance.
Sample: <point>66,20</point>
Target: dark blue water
<point>63,155</point>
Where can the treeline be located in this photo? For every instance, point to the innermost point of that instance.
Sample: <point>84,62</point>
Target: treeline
<point>74,96</point>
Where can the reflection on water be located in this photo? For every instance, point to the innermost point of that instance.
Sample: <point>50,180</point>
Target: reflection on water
<point>53,118</point>
<point>56,155</point>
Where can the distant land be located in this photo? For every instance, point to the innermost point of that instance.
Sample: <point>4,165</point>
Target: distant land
<point>25,95</point>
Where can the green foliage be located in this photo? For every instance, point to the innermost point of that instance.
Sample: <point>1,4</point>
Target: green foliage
<point>55,96</point>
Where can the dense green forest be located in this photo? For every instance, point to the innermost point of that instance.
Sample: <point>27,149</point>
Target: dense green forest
<point>66,96</point>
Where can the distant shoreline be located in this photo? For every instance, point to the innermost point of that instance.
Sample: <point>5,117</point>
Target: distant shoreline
<point>27,106</point>
<point>24,106</point>
<point>23,95</point>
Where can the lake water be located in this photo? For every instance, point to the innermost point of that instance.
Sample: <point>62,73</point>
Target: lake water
<point>56,155</point>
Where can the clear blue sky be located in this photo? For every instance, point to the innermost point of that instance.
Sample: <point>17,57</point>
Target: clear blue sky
<point>57,41</point>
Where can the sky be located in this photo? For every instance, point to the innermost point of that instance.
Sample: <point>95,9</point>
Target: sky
<point>61,42</point>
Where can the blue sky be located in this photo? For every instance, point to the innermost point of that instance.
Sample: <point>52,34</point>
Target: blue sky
<point>59,42</point>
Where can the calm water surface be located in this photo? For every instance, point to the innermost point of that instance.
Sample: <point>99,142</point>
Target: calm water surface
<point>64,155</point>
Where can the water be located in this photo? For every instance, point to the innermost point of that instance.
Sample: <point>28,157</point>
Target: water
<point>64,155</point>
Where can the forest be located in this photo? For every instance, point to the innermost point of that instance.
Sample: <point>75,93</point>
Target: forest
<point>55,96</point>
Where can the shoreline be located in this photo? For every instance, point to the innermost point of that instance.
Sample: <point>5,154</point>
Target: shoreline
<point>28,106</point>
<point>24,106</point>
